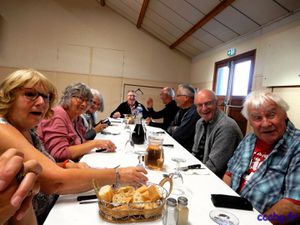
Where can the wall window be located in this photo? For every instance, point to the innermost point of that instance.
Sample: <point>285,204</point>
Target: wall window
<point>232,83</point>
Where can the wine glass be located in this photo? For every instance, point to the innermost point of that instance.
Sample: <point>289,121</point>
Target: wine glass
<point>126,120</point>
<point>140,154</point>
<point>177,177</point>
<point>129,145</point>
<point>222,217</point>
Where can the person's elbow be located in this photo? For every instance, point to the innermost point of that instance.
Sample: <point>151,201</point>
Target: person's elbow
<point>227,179</point>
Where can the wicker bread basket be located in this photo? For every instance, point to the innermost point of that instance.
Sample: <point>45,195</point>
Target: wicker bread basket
<point>134,211</point>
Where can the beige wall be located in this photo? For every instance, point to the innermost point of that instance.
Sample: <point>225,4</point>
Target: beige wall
<point>80,41</point>
<point>203,65</point>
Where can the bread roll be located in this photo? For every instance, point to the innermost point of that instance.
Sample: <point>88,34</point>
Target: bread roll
<point>154,193</point>
<point>106,193</point>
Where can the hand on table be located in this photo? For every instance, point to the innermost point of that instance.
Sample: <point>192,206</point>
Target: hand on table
<point>100,127</point>
<point>106,144</point>
<point>116,115</point>
<point>133,175</point>
<point>148,120</point>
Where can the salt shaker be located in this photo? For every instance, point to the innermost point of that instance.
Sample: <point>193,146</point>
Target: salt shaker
<point>171,216</point>
<point>182,211</point>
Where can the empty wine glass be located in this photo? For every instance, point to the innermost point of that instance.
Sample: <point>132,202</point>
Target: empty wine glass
<point>141,154</point>
<point>129,145</point>
<point>177,177</point>
<point>222,217</point>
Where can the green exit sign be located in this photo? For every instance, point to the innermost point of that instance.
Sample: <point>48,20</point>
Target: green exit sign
<point>231,52</point>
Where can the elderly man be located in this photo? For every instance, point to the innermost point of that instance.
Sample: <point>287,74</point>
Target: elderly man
<point>128,107</point>
<point>265,168</point>
<point>217,135</point>
<point>182,129</point>
<point>168,113</point>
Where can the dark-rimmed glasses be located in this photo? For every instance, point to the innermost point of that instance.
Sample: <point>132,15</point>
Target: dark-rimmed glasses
<point>32,95</point>
<point>81,99</point>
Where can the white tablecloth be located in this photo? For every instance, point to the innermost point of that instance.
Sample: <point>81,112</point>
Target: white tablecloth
<point>198,186</point>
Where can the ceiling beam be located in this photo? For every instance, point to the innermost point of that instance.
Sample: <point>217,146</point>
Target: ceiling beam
<point>215,11</point>
<point>142,13</point>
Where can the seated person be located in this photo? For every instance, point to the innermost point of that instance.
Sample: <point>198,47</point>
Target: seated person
<point>26,97</point>
<point>90,116</point>
<point>128,107</point>
<point>217,135</point>
<point>168,113</point>
<point>182,129</point>
<point>265,167</point>
<point>63,133</point>
<point>18,186</point>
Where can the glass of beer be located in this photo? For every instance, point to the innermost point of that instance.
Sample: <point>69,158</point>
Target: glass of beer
<point>155,152</point>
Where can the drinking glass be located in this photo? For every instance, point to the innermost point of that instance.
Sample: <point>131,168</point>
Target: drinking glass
<point>127,120</point>
<point>129,145</point>
<point>140,154</point>
<point>178,188</point>
<point>222,217</point>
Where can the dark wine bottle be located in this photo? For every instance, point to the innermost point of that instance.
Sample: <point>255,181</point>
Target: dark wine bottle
<point>138,135</point>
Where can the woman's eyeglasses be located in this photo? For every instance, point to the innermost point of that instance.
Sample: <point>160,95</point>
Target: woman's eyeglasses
<point>32,95</point>
<point>81,99</point>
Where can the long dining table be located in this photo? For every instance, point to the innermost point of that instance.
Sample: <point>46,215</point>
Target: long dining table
<point>198,184</point>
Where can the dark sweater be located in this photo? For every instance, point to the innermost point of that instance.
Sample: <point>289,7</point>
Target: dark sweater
<point>183,130</point>
<point>168,114</point>
<point>124,108</point>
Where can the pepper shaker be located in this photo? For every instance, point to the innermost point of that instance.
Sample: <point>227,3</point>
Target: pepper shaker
<point>182,211</point>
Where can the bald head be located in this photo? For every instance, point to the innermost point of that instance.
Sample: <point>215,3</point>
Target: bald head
<point>206,102</point>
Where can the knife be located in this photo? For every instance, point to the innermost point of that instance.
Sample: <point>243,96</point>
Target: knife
<point>101,150</point>
<point>86,197</point>
<point>168,145</point>
<point>185,168</point>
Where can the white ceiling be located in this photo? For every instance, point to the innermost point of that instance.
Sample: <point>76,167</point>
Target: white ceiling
<point>168,20</point>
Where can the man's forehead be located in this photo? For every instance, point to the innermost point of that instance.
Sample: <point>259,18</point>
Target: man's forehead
<point>264,108</point>
<point>203,97</point>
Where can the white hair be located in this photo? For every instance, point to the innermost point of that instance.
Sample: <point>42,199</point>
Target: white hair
<point>95,92</point>
<point>258,98</point>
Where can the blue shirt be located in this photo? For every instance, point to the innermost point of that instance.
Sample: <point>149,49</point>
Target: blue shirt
<point>277,178</point>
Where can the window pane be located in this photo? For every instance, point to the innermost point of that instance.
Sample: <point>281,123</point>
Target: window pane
<point>222,80</point>
<point>241,78</point>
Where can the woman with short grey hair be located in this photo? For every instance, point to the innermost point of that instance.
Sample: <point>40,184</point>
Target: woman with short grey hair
<point>78,90</point>
<point>90,117</point>
<point>64,133</point>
